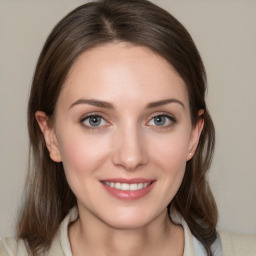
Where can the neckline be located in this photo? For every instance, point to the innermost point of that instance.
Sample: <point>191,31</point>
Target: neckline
<point>73,215</point>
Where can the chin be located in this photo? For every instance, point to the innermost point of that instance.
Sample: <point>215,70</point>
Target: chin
<point>127,223</point>
<point>128,219</point>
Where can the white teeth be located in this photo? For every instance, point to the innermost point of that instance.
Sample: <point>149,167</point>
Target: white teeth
<point>140,185</point>
<point>118,185</point>
<point>133,187</point>
<point>126,186</point>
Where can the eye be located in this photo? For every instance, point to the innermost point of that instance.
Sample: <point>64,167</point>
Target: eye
<point>94,121</point>
<point>161,120</point>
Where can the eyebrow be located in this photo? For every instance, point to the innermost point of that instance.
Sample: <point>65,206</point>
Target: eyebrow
<point>164,102</point>
<point>104,104</point>
<point>93,102</point>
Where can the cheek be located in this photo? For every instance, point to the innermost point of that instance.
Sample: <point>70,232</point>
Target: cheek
<point>83,157</point>
<point>171,151</point>
<point>170,154</point>
<point>81,154</point>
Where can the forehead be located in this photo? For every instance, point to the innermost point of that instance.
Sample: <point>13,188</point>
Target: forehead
<point>122,71</point>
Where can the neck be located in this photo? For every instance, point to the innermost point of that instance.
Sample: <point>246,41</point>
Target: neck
<point>160,237</point>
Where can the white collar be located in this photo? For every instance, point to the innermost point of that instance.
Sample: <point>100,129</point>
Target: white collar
<point>192,246</point>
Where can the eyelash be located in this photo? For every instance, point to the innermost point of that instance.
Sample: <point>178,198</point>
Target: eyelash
<point>93,115</point>
<point>171,119</point>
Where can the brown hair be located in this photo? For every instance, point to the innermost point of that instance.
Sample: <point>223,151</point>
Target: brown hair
<point>139,22</point>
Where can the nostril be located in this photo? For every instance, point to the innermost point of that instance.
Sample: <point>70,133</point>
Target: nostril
<point>130,152</point>
<point>129,160</point>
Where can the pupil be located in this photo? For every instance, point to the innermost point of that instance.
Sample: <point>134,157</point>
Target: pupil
<point>159,120</point>
<point>94,121</point>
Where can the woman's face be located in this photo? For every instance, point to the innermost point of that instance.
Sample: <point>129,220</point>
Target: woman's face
<point>123,132</point>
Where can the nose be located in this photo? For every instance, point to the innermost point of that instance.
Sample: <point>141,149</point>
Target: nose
<point>130,149</point>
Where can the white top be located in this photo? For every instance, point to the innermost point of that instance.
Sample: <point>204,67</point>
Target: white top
<point>73,215</point>
<point>233,245</point>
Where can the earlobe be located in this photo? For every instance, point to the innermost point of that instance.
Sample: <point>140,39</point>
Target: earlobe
<point>195,134</point>
<point>49,136</point>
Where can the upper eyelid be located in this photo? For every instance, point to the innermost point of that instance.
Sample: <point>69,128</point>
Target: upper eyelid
<point>83,117</point>
<point>172,117</point>
<point>104,116</point>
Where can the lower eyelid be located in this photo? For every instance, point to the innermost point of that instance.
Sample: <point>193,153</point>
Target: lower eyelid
<point>85,118</point>
<point>91,115</point>
<point>170,118</point>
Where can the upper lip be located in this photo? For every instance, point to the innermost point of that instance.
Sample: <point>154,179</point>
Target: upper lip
<point>128,181</point>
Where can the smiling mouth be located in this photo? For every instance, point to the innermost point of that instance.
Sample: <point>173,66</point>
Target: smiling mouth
<point>127,186</point>
<point>128,189</point>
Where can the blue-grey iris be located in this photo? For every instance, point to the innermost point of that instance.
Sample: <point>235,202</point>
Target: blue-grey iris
<point>94,120</point>
<point>160,120</point>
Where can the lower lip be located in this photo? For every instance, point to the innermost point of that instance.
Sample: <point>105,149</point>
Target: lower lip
<point>129,194</point>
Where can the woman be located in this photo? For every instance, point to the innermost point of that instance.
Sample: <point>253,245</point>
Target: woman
<point>121,141</point>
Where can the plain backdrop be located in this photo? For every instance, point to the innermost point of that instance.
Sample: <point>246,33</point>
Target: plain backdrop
<point>225,34</point>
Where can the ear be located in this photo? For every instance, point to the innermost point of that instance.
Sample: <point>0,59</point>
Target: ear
<point>195,134</point>
<point>49,136</point>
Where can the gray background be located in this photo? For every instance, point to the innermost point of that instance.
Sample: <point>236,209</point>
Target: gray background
<point>225,33</point>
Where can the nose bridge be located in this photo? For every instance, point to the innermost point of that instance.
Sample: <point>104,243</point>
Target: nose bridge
<point>130,151</point>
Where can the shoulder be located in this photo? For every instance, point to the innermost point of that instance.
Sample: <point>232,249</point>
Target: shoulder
<point>60,245</point>
<point>236,245</point>
<point>12,247</point>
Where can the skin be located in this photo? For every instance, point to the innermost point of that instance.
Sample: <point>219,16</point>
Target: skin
<point>127,143</point>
